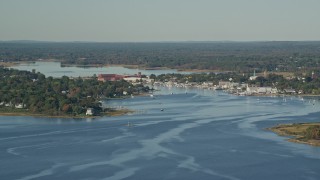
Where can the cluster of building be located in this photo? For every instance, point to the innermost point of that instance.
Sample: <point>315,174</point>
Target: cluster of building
<point>230,86</point>
<point>205,85</point>
<point>245,89</point>
<point>242,89</point>
<point>136,78</point>
<point>17,106</point>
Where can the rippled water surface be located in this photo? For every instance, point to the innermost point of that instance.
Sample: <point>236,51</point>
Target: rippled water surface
<point>200,134</point>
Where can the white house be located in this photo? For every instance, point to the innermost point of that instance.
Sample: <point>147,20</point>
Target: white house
<point>228,84</point>
<point>224,84</point>
<point>89,112</point>
<point>274,90</point>
<point>252,90</point>
<point>252,78</point>
<point>19,106</point>
<point>264,90</point>
<point>290,91</point>
<point>261,90</point>
<point>136,79</point>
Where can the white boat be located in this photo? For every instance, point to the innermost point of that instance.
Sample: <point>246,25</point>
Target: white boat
<point>129,124</point>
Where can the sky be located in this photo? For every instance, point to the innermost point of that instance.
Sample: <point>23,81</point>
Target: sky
<point>160,20</point>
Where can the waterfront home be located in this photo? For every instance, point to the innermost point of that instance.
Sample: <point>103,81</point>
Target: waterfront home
<point>109,77</point>
<point>264,90</point>
<point>117,77</point>
<point>261,90</point>
<point>228,84</point>
<point>274,91</point>
<point>136,79</point>
<point>252,78</point>
<point>224,84</point>
<point>89,112</point>
<point>289,91</point>
<point>252,90</point>
<point>19,106</point>
<point>8,104</point>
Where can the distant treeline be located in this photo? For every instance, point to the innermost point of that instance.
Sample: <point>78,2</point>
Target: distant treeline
<point>233,56</point>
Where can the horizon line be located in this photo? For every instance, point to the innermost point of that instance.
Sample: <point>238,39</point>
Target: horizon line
<point>186,41</point>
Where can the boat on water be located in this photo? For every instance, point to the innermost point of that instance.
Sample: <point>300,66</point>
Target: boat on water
<point>129,124</point>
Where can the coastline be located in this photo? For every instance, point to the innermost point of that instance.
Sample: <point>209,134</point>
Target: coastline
<point>119,112</point>
<point>296,132</point>
<point>129,66</point>
<point>110,114</point>
<point>9,64</point>
<point>43,115</point>
<point>284,95</point>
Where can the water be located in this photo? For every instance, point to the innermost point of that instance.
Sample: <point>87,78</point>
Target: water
<point>200,134</point>
<point>54,69</point>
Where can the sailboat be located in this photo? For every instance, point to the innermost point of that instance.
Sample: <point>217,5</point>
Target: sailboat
<point>129,124</point>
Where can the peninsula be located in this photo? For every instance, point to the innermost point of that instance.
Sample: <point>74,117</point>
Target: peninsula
<point>306,133</point>
<point>31,93</point>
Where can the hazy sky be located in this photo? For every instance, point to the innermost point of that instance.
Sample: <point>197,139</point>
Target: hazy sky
<point>159,20</point>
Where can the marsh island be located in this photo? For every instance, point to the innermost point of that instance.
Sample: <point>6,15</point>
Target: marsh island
<point>306,133</point>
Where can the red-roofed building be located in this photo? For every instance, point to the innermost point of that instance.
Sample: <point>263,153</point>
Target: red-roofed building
<point>117,77</point>
<point>110,77</point>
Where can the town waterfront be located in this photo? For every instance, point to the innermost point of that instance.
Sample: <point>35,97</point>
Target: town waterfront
<point>176,134</point>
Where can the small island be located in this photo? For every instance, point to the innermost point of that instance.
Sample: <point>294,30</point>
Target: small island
<point>306,133</point>
<point>24,93</point>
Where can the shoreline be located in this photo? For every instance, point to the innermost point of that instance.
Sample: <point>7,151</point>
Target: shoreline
<point>119,112</point>
<point>111,113</point>
<point>129,66</point>
<point>43,115</point>
<point>282,95</point>
<point>296,132</point>
<point>9,64</point>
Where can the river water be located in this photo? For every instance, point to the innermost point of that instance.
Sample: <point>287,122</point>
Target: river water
<point>55,69</point>
<point>200,134</point>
